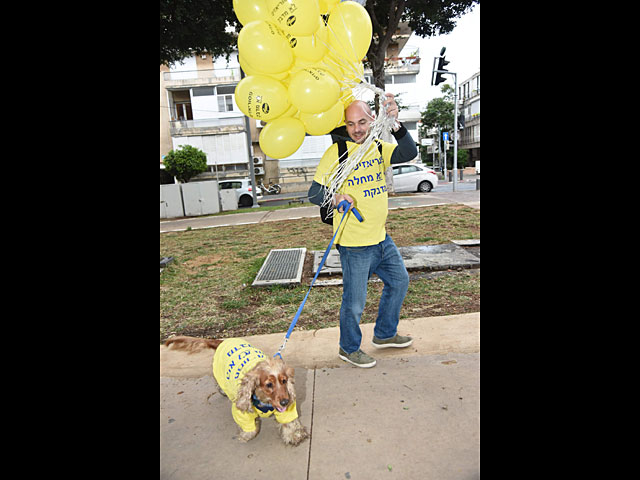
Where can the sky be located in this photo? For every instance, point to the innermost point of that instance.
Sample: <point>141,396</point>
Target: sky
<point>463,55</point>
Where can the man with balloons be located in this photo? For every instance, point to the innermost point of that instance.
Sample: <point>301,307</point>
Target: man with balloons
<point>365,247</point>
<point>303,59</point>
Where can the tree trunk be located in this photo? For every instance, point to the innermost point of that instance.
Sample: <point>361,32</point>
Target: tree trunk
<point>376,55</point>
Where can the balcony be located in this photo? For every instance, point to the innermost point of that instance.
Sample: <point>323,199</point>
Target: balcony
<point>467,97</point>
<point>397,65</point>
<point>200,78</point>
<point>207,126</point>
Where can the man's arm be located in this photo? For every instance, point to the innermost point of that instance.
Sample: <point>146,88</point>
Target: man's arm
<point>316,193</point>
<point>406,149</point>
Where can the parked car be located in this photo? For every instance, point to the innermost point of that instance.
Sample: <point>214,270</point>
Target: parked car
<point>243,189</point>
<point>414,177</point>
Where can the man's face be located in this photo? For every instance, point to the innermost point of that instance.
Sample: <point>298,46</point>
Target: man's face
<point>357,120</point>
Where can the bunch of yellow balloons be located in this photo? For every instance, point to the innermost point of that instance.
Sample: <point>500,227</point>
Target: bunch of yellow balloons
<point>299,67</point>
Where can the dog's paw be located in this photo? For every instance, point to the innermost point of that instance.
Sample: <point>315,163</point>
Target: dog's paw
<point>293,433</point>
<point>244,437</point>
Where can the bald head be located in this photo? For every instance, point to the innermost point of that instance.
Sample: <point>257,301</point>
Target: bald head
<point>358,118</point>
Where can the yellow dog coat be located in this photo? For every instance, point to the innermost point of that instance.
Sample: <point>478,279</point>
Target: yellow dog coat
<point>232,360</point>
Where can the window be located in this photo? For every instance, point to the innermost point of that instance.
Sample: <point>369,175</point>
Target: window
<point>404,79</point>
<point>202,91</point>
<point>230,185</point>
<point>225,103</point>
<point>225,89</point>
<point>183,111</point>
<point>405,169</point>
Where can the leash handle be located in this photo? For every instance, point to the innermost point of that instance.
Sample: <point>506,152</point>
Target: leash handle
<point>347,207</point>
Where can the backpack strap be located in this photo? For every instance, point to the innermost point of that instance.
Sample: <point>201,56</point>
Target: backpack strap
<point>342,156</point>
<point>379,145</point>
<point>342,150</point>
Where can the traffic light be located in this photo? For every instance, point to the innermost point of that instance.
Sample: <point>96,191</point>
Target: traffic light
<point>441,64</point>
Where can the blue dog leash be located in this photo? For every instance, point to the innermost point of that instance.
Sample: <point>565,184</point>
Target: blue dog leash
<point>347,206</point>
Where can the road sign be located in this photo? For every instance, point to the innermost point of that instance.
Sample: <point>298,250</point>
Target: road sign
<point>445,136</point>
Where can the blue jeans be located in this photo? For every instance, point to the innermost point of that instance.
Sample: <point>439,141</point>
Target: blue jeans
<point>358,263</point>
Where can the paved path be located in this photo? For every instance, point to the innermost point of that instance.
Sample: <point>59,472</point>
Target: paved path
<point>414,415</point>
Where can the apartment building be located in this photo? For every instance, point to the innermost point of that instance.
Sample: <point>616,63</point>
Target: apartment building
<point>469,95</point>
<point>197,108</point>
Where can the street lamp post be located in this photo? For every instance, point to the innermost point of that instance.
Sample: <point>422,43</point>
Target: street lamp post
<point>439,71</point>
<point>252,173</point>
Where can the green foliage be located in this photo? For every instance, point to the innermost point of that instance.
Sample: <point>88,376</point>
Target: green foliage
<point>185,163</point>
<point>426,19</point>
<point>439,112</point>
<point>189,27</point>
<point>439,115</point>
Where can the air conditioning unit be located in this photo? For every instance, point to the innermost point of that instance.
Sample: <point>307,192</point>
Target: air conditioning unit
<point>258,170</point>
<point>257,161</point>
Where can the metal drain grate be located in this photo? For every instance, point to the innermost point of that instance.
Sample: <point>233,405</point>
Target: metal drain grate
<point>281,267</point>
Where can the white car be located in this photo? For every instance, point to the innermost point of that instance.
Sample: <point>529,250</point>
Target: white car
<point>243,189</point>
<point>414,177</point>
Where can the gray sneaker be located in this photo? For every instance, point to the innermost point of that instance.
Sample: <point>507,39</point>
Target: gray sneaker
<point>398,342</point>
<point>357,358</point>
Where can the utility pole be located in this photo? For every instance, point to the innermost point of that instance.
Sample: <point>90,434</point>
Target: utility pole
<point>439,71</point>
<point>252,172</point>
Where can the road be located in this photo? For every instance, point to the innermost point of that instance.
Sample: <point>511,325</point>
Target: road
<point>468,196</point>
<point>466,184</point>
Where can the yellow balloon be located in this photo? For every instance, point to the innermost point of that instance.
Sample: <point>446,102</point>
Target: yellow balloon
<point>263,45</point>
<point>330,63</point>
<point>350,30</point>
<point>323,123</point>
<point>312,47</point>
<point>261,97</point>
<point>346,97</point>
<point>250,10</point>
<point>291,112</point>
<point>353,73</point>
<point>325,5</point>
<point>299,17</point>
<point>313,90</point>
<point>250,70</point>
<point>282,137</point>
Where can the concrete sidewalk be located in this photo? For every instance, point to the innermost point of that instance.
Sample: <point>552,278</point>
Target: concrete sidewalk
<point>415,415</point>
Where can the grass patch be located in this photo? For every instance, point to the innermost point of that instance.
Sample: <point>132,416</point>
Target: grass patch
<point>206,290</point>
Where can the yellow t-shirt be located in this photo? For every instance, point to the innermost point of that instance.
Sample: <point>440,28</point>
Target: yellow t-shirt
<point>232,360</point>
<point>367,186</point>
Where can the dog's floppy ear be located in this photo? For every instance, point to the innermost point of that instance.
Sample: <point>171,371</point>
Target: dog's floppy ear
<point>247,386</point>
<point>289,371</point>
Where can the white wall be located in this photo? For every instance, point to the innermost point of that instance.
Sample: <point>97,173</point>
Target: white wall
<point>220,149</point>
<point>309,153</point>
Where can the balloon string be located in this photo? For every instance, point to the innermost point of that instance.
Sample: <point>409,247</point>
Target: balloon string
<point>353,49</point>
<point>340,171</point>
<point>334,181</point>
